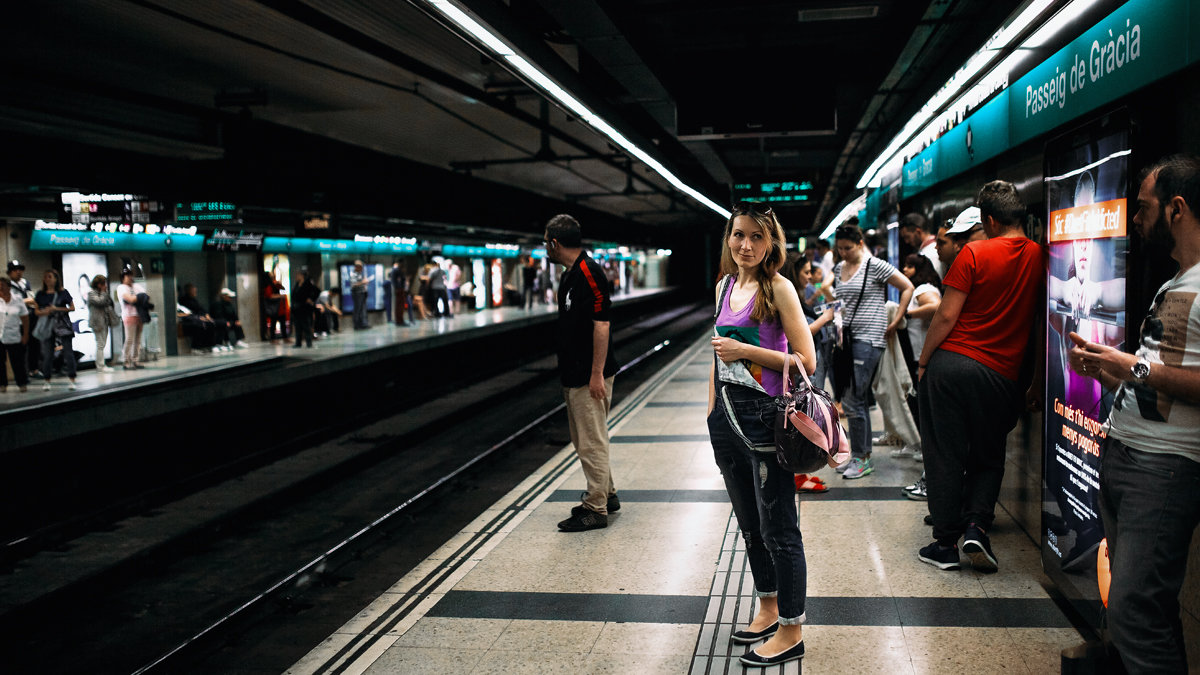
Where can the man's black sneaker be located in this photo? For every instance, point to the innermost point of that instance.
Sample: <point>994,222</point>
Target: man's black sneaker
<point>580,522</point>
<point>941,557</point>
<point>979,549</point>
<point>928,519</point>
<point>613,505</point>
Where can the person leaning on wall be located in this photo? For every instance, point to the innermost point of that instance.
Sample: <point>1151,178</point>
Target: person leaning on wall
<point>1150,459</point>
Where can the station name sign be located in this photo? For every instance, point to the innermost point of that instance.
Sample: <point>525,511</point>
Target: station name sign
<point>114,237</point>
<point>485,251</point>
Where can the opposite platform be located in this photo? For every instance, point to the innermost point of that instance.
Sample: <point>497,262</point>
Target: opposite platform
<point>179,383</point>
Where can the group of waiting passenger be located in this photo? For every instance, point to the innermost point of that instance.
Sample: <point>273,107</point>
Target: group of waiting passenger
<point>37,335</point>
<point>965,350</point>
<point>969,354</point>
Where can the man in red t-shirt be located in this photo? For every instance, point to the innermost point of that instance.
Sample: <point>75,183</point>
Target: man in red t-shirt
<point>968,395</point>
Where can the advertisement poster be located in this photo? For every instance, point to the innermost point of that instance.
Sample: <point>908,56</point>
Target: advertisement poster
<point>277,268</point>
<point>78,271</point>
<point>1087,185</point>
<point>375,278</point>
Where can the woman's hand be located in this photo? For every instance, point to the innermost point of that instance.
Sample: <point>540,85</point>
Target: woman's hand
<point>727,349</point>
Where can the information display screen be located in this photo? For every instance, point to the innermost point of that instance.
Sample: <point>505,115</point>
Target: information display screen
<point>1087,187</point>
<point>120,208</point>
<point>779,191</point>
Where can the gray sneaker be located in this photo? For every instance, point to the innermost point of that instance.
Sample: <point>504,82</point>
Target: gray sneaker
<point>859,467</point>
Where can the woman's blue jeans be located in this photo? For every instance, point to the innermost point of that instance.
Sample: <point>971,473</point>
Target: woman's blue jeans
<point>854,401</point>
<point>764,499</point>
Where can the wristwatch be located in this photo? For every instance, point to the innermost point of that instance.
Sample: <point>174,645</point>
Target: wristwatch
<point>1140,371</point>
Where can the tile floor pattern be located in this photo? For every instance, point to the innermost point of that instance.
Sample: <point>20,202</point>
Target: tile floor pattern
<point>510,594</point>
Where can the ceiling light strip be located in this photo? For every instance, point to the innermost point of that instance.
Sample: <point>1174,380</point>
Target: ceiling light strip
<point>542,81</point>
<point>857,204</point>
<point>926,119</point>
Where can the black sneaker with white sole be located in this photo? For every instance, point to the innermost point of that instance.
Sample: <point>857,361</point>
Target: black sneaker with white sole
<point>941,557</point>
<point>978,548</point>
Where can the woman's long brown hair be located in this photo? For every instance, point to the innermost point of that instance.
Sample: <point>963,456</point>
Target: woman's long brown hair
<point>764,301</point>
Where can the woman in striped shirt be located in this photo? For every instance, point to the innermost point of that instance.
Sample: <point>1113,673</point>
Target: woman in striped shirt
<point>860,281</point>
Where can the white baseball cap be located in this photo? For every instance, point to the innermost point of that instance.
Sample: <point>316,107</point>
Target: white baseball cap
<point>966,221</point>
<point>226,291</point>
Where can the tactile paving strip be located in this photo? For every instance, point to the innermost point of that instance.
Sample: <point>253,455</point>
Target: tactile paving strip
<point>730,605</point>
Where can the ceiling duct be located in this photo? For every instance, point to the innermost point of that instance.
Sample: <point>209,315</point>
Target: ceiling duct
<point>839,13</point>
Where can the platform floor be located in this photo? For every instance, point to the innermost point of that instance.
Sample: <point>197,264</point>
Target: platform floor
<point>662,587</point>
<point>347,341</point>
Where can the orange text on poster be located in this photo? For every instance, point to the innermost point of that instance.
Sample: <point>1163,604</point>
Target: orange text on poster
<point>1094,221</point>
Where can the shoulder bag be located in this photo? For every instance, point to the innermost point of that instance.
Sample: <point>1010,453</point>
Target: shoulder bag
<point>807,433</point>
<point>842,368</point>
<point>43,329</point>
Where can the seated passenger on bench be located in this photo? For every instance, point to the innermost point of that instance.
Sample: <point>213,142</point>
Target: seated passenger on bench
<point>198,326</point>
<point>225,315</point>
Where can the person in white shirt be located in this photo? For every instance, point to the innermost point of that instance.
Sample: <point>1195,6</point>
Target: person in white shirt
<point>14,336</point>
<point>127,293</point>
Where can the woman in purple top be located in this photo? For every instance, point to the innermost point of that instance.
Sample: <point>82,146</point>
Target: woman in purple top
<point>759,319</point>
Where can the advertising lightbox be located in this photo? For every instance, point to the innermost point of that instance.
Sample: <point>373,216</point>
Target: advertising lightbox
<point>1087,188</point>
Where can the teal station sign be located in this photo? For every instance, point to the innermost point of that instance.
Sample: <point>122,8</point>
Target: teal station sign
<point>113,237</point>
<point>1141,42</point>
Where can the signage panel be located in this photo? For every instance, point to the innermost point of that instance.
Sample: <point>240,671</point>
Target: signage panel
<point>234,240</point>
<point>113,237</point>
<point>1141,42</point>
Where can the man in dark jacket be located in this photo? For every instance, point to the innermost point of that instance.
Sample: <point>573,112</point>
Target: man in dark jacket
<point>304,305</point>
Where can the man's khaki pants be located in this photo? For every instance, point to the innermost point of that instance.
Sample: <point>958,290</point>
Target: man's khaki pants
<point>588,421</point>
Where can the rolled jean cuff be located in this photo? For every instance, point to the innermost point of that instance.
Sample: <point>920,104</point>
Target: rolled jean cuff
<point>794,621</point>
<point>765,594</point>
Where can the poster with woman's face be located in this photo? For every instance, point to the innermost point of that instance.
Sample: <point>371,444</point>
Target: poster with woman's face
<point>78,271</point>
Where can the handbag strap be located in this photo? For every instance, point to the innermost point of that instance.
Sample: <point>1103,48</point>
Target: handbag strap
<point>787,369</point>
<point>861,290</point>
<point>725,284</point>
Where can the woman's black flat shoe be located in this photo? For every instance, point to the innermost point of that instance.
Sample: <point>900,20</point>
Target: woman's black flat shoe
<point>752,658</point>
<point>745,637</point>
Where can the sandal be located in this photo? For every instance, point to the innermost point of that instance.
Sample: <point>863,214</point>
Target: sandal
<point>807,483</point>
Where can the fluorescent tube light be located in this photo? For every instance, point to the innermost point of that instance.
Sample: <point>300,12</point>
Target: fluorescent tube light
<point>857,204</point>
<point>551,88</point>
<point>904,143</point>
<point>473,27</point>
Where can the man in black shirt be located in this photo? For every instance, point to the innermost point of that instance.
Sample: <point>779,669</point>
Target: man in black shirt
<point>586,366</point>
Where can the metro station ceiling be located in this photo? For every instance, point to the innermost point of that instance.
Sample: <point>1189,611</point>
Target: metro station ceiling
<point>724,92</point>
